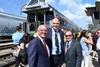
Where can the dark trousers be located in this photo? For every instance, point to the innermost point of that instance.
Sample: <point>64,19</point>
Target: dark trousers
<point>56,61</point>
<point>98,56</point>
<point>17,62</point>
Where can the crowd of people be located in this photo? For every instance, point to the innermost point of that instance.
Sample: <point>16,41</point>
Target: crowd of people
<point>52,47</point>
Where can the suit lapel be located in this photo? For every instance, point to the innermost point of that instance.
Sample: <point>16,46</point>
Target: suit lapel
<point>60,37</point>
<point>60,34</point>
<point>43,48</point>
<point>71,45</point>
<point>49,35</point>
<point>46,48</point>
<point>70,50</point>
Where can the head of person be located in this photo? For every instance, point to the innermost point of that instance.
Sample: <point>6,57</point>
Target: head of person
<point>69,35</point>
<point>42,31</point>
<point>98,32</point>
<point>18,28</point>
<point>78,34</point>
<point>55,23</point>
<point>83,34</point>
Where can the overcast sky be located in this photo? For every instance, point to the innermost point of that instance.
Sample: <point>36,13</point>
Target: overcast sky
<point>73,9</point>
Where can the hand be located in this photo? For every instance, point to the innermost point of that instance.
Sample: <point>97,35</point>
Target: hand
<point>63,65</point>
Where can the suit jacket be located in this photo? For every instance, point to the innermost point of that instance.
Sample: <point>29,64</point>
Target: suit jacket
<point>73,57</point>
<point>37,55</point>
<point>49,35</point>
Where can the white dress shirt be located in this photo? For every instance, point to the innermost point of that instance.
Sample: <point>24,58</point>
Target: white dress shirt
<point>98,44</point>
<point>54,48</point>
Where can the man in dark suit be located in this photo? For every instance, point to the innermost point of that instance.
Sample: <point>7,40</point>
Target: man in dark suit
<point>38,50</point>
<point>73,51</point>
<point>57,48</point>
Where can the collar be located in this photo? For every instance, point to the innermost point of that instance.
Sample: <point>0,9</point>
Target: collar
<point>40,38</point>
<point>69,41</point>
<point>55,29</point>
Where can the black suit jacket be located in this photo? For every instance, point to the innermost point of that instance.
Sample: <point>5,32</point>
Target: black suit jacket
<point>73,57</point>
<point>37,55</point>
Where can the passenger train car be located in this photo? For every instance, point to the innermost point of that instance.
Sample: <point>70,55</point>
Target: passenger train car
<point>8,23</point>
<point>39,12</point>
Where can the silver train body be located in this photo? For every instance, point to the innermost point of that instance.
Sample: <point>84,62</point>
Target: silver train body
<point>8,23</point>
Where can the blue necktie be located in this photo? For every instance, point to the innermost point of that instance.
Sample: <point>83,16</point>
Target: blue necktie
<point>56,42</point>
<point>67,44</point>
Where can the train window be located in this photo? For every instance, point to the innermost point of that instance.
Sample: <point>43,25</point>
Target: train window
<point>62,22</point>
<point>32,27</point>
<point>96,15</point>
<point>49,15</point>
<point>42,0</point>
<point>31,17</point>
<point>40,17</point>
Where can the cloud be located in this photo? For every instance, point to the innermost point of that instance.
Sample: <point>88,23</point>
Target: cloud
<point>97,0</point>
<point>74,10</point>
<point>76,13</point>
<point>50,1</point>
<point>79,19</point>
<point>1,10</point>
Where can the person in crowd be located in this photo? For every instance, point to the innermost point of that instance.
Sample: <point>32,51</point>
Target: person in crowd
<point>85,40</point>
<point>57,48</point>
<point>98,45</point>
<point>22,49</point>
<point>73,50</point>
<point>17,35</point>
<point>77,35</point>
<point>38,49</point>
<point>94,38</point>
<point>16,38</point>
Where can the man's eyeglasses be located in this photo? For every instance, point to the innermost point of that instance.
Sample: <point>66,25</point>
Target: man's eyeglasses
<point>56,23</point>
<point>68,35</point>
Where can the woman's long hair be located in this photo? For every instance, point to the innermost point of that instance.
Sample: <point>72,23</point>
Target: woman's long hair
<point>83,34</point>
<point>26,38</point>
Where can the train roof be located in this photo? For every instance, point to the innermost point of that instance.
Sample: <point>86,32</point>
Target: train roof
<point>33,7</point>
<point>12,16</point>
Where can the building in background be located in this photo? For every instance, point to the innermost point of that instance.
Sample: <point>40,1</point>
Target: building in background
<point>39,12</point>
<point>8,23</point>
<point>94,12</point>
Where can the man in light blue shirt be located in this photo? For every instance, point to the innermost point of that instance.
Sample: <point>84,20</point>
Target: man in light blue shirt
<point>16,38</point>
<point>17,35</point>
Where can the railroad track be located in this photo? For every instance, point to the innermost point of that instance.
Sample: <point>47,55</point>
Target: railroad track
<point>6,57</point>
<point>6,37</point>
<point>5,40</point>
